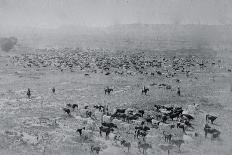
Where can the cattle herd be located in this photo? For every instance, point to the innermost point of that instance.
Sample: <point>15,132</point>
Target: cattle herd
<point>173,122</point>
<point>139,123</point>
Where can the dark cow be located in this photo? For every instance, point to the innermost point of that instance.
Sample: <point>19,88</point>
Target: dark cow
<point>181,125</point>
<point>149,119</point>
<point>75,106</point>
<point>131,117</point>
<point>215,133</point>
<point>141,133</point>
<point>69,105</point>
<point>99,107</point>
<point>211,118</point>
<point>80,130</point>
<point>66,110</point>
<point>119,116</point>
<point>169,108</point>
<point>108,90</point>
<point>88,113</point>
<point>159,72</point>
<point>109,125</point>
<point>143,128</point>
<point>141,112</point>
<point>189,117</point>
<point>174,115</point>
<point>106,130</point>
<point>164,119</point>
<point>188,124</point>
<point>120,110</point>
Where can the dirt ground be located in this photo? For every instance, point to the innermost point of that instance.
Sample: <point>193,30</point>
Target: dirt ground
<point>39,126</point>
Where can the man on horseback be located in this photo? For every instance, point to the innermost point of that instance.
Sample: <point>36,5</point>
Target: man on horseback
<point>145,90</point>
<point>29,93</point>
<point>53,90</point>
<point>178,91</point>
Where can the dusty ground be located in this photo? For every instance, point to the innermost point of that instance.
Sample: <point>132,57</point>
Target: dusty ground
<point>19,115</point>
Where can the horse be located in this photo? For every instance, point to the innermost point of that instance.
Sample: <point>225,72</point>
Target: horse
<point>126,144</point>
<point>108,90</point>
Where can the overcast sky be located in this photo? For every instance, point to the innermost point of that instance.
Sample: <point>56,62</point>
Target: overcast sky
<point>55,13</point>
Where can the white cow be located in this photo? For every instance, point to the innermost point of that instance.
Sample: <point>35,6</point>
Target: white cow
<point>106,119</point>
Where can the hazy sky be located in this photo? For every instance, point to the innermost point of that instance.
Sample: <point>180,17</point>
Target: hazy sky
<point>55,13</point>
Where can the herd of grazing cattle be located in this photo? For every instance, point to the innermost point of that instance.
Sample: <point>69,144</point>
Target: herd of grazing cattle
<point>141,122</point>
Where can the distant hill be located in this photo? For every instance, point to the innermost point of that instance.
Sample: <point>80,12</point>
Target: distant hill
<point>127,36</point>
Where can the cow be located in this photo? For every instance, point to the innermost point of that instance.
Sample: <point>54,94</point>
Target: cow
<point>107,130</point>
<point>80,130</point>
<point>211,118</point>
<point>167,137</point>
<point>108,90</point>
<point>66,110</point>
<point>144,146</point>
<point>126,144</point>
